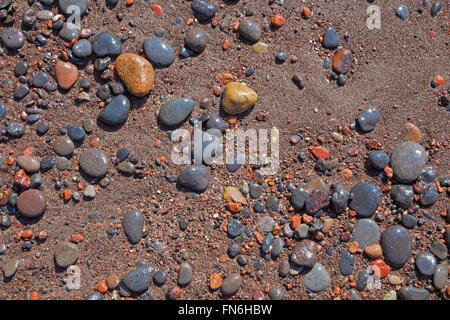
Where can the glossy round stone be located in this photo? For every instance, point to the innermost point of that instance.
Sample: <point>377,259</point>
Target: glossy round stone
<point>203,10</point>
<point>116,112</point>
<point>175,112</point>
<point>196,40</point>
<point>105,44</point>
<point>238,98</point>
<point>402,195</point>
<point>82,48</point>
<point>94,162</point>
<point>68,32</point>
<point>317,279</point>
<point>366,198</point>
<point>231,284</point>
<point>330,39</point>
<point>249,30</point>
<point>366,232</point>
<point>159,52</point>
<point>136,73</point>
<point>133,226</point>
<point>396,244</point>
<point>63,146</point>
<point>194,177</point>
<point>368,119</point>
<point>407,161</point>
<point>426,263</point>
<point>402,12</point>
<point>66,74</point>
<point>40,80</point>
<point>379,160</point>
<point>12,39</point>
<point>31,203</point>
<point>139,279</point>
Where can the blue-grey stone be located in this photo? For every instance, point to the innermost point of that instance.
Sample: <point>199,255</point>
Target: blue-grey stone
<point>249,30</point>
<point>429,196</point>
<point>234,228</point>
<point>105,44</point>
<point>184,274</point>
<point>346,263</point>
<point>330,39</point>
<point>339,199</point>
<point>95,296</point>
<point>133,226</point>
<point>402,12</point>
<point>21,69</point>
<point>379,160</point>
<point>366,233</point>
<point>21,92</point>
<point>159,52</point>
<point>116,112</point>
<point>68,32</point>
<point>413,293</point>
<point>402,195</point>
<point>426,263</point>
<point>298,198</point>
<point>139,279</point>
<point>317,279</point>
<point>203,10</point>
<point>194,177</point>
<point>2,110</point>
<point>40,80</point>
<point>408,221</point>
<point>76,133</point>
<point>175,112</point>
<point>82,49</point>
<point>396,245</point>
<point>368,119</point>
<point>15,129</point>
<point>12,39</point>
<point>435,8</point>
<point>407,161</point>
<point>440,276</point>
<point>366,198</point>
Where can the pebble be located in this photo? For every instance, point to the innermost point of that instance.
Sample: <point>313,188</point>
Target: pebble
<point>203,10</point>
<point>10,267</point>
<point>105,44</point>
<point>426,263</point>
<point>265,224</point>
<point>316,201</point>
<point>159,52</point>
<point>94,162</point>
<point>366,233</point>
<point>317,279</point>
<point>12,39</point>
<point>47,163</point>
<point>95,296</point>
<point>234,228</point>
<point>435,8</point>
<point>317,184</point>
<point>402,195</point>
<point>2,110</point>
<point>174,112</point>
<point>304,254</point>
<point>440,276</point>
<point>276,293</point>
<point>31,203</point>
<point>63,146</point>
<point>66,74</point>
<point>136,73</point>
<point>249,30</point>
<point>116,112</point>
<point>396,244</point>
<point>29,164</point>
<point>21,92</point>
<point>40,80</point>
<point>184,275</point>
<point>402,12</point>
<point>354,295</point>
<point>429,196</point>
<point>133,225</point>
<point>368,119</point>
<point>342,61</point>
<point>330,39</point>
<point>373,251</point>
<point>340,198</point>
<point>379,160</point>
<point>66,253</point>
<point>346,263</point>
<point>231,284</point>
<point>438,249</point>
<point>195,177</point>
<point>407,161</point>
<point>366,198</point>
<point>298,198</point>
<point>139,279</point>
<point>408,221</point>
<point>234,195</point>
<point>238,98</point>
<point>160,278</point>
<point>89,192</point>
<point>82,49</point>
<point>196,40</point>
<point>68,33</point>
<point>412,293</point>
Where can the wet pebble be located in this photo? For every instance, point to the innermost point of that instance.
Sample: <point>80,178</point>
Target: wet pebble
<point>94,162</point>
<point>402,12</point>
<point>133,225</point>
<point>368,119</point>
<point>203,10</point>
<point>426,263</point>
<point>184,274</point>
<point>396,244</point>
<point>250,30</point>
<point>429,196</point>
<point>330,39</point>
<point>196,40</point>
<point>116,112</point>
<point>304,254</point>
<point>175,112</point>
<point>402,195</point>
<point>105,44</point>
<point>12,39</point>
<point>195,177</point>
<point>66,254</point>
<point>159,52</point>
<point>317,279</point>
<point>366,198</point>
<point>231,285</point>
<point>366,232</point>
<point>31,203</point>
<point>407,161</point>
<point>139,279</point>
<point>379,160</point>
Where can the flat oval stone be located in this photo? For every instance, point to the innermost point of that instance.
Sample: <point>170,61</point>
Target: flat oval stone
<point>231,284</point>
<point>31,203</point>
<point>66,74</point>
<point>82,48</point>
<point>342,61</point>
<point>304,254</point>
<point>116,112</point>
<point>40,80</point>
<point>366,233</point>
<point>136,73</point>
<point>238,98</point>
<point>440,276</point>
<point>12,39</point>
<point>9,267</point>
<point>407,161</point>
<point>368,119</point>
<point>105,44</point>
<point>159,52</point>
<point>139,279</point>
<point>402,12</point>
<point>379,160</point>
<point>317,279</point>
<point>29,164</point>
<point>346,263</point>
<point>330,39</point>
<point>412,293</point>
<point>396,244</point>
<point>94,162</point>
<point>64,5</point>
<point>175,112</point>
<point>203,10</point>
<point>184,274</point>
<point>249,30</point>
<point>66,254</point>
<point>63,146</point>
<point>402,195</point>
<point>195,177</point>
<point>429,196</point>
<point>426,263</point>
<point>438,249</point>
<point>133,225</point>
<point>196,40</point>
<point>366,198</point>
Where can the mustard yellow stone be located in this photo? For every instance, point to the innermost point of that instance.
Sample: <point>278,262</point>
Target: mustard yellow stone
<point>136,73</point>
<point>234,195</point>
<point>259,47</point>
<point>237,98</point>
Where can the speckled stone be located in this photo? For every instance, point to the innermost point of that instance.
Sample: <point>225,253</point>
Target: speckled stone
<point>133,225</point>
<point>304,254</point>
<point>402,195</point>
<point>396,244</point>
<point>366,198</point>
<point>29,164</point>
<point>407,161</point>
<point>66,254</point>
<point>342,61</point>
<point>94,162</point>
<point>366,233</point>
<point>317,279</point>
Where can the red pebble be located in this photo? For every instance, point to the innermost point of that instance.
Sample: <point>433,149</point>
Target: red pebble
<point>156,9</point>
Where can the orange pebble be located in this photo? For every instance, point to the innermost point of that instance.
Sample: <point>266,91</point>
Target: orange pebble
<point>277,21</point>
<point>306,12</point>
<point>102,287</point>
